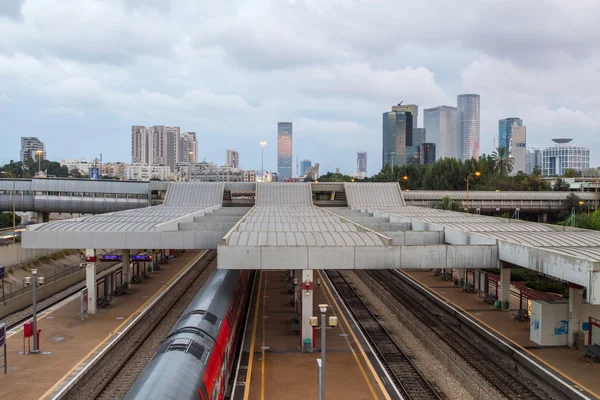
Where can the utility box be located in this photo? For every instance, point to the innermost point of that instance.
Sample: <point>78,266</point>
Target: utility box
<point>549,322</point>
<point>28,329</point>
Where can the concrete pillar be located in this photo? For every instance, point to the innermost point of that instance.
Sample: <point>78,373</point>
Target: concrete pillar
<point>461,275</point>
<point>43,217</point>
<point>504,286</point>
<point>90,279</point>
<point>126,266</point>
<point>307,305</point>
<point>297,292</point>
<point>575,305</point>
<point>542,217</point>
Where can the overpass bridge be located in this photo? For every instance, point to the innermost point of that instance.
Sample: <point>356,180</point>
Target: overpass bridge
<point>285,230</point>
<point>84,196</point>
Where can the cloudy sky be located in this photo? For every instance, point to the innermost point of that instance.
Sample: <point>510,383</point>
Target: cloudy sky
<point>78,73</point>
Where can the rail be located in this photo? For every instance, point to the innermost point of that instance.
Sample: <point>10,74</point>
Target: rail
<point>405,374</point>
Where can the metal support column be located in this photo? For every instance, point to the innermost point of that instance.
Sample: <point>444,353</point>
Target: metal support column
<point>126,266</point>
<point>504,287</point>
<point>90,279</point>
<point>575,303</point>
<point>307,305</point>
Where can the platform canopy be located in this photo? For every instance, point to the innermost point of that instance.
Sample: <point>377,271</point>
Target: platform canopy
<point>285,231</point>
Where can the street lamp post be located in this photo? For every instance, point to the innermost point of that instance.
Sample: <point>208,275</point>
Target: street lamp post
<point>468,176</point>
<point>581,203</point>
<point>14,193</point>
<point>37,280</point>
<point>262,160</point>
<point>332,324</point>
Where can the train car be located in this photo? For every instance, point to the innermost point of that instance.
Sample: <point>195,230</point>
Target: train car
<point>196,358</point>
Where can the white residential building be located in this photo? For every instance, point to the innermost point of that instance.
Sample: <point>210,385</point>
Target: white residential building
<point>31,147</point>
<point>518,149</point>
<point>82,165</point>
<point>156,145</point>
<point>144,172</point>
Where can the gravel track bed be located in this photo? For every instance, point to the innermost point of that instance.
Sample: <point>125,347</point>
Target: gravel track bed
<point>114,374</point>
<point>467,345</point>
<point>420,354</point>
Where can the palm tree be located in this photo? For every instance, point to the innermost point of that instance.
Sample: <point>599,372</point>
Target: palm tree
<point>503,160</point>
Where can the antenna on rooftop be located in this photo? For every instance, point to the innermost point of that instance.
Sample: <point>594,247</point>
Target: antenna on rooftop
<point>401,102</point>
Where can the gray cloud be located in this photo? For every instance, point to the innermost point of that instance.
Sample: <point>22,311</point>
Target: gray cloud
<point>11,8</point>
<point>231,70</point>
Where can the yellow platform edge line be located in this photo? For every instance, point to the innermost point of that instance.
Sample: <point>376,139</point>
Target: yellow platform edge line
<point>502,335</point>
<point>368,362</point>
<point>253,341</point>
<point>111,334</point>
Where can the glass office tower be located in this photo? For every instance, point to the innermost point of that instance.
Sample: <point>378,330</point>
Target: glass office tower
<point>440,124</point>
<point>284,150</point>
<point>397,136</point>
<point>468,126</point>
<point>505,127</point>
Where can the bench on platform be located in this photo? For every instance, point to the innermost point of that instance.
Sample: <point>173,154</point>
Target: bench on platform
<point>490,298</point>
<point>593,351</point>
<point>520,315</point>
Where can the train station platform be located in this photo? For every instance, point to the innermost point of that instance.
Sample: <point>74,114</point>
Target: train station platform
<point>273,365</point>
<point>67,341</point>
<point>562,359</point>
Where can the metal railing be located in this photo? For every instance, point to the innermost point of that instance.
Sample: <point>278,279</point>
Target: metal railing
<point>49,278</point>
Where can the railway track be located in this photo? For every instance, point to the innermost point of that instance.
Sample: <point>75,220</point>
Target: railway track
<point>472,350</point>
<point>113,375</point>
<point>406,376</point>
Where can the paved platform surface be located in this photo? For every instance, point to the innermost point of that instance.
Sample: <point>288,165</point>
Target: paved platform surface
<point>567,361</point>
<point>69,340</point>
<point>279,370</point>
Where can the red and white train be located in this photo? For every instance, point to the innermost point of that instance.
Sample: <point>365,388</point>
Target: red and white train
<point>195,360</point>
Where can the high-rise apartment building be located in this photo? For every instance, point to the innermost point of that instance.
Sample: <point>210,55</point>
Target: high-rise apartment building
<point>31,147</point>
<point>427,153</point>
<point>518,148</point>
<point>361,162</point>
<point>140,136</point>
<point>440,124</point>
<point>556,159</point>
<point>284,150</point>
<point>303,165</point>
<point>232,158</point>
<point>397,136</point>
<point>411,108</point>
<point>156,145</point>
<point>188,150</point>
<point>468,126</point>
<point>505,130</point>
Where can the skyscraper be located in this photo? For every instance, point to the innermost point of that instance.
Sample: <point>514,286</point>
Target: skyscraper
<point>361,163</point>
<point>303,165</point>
<point>518,148</point>
<point>440,124</point>
<point>30,146</point>
<point>413,152</point>
<point>188,150</point>
<point>232,158</point>
<point>505,127</point>
<point>284,150</point>
<point>427,153</point>
<point>411,108</point>
<point>467,126</point>
<point>397,136</point>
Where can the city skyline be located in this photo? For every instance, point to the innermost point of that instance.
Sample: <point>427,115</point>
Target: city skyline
<point>337,82</point>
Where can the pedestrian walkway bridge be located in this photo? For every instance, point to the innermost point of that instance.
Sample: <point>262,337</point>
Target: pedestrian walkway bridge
<point>284,230</point>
